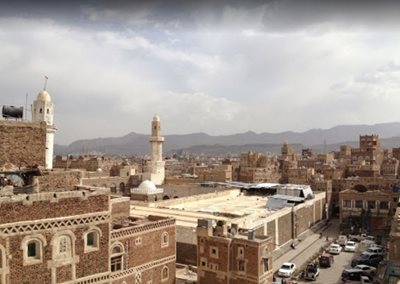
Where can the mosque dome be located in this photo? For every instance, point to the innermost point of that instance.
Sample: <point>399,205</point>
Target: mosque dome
<point>156,118</point>
<point>44,96</point>
<point>148,187</point>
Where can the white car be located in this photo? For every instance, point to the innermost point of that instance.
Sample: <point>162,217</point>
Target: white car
<point>350,246</point>
<point>287,269</point>
<point>335,249</point>
<point>370,270</point>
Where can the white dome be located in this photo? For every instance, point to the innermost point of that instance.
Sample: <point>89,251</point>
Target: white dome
<point>44,96</point>
<point>147,187</point>
<point>156,118</point>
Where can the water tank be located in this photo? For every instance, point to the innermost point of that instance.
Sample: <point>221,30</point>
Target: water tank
<point>12,112</point>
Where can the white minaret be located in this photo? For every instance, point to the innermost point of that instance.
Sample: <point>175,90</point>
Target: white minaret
<point>43,110</point>
<point>157,165</point>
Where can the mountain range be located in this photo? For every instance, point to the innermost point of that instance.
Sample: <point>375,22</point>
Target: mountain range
<point>317,139</point>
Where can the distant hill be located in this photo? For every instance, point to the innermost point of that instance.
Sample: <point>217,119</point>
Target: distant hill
<point>318,139</point>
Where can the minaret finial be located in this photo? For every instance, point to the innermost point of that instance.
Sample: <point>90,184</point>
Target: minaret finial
<point>45,82</point>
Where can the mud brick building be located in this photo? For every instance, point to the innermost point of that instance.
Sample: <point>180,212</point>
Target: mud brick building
<point>227,256</point>
<point>53,232</point>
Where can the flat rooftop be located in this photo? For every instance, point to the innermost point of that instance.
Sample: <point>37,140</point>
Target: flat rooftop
<point>232,208</point>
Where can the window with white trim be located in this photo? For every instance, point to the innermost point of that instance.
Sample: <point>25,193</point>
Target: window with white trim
<point>164,239</point>
<point>240,252</point>
<point>214,251</point>
<point>117,257</point>
<point>32,248</point>
<point>138,241</point>
<point>92,239</point>
<point>64,247</point>
<point>164,274</point>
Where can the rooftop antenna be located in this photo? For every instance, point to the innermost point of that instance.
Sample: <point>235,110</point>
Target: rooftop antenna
<point>45,82</point>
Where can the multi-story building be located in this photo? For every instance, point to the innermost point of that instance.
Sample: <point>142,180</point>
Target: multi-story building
<point>54,230</point>
<point>226,256</point>
<point>363,209</point>
<point>257,167</point>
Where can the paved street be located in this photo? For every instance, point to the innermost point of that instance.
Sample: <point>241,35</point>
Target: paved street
<point>333,274</point>
<point>308,247</point>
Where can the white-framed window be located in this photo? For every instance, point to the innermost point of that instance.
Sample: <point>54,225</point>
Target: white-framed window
<point>214,251</point>
<point>64,247</point>
<point>32,248</point>
<point>92,239</point>
<point>164,239</point>
<point>164,274</point>
<point>203,262</point>
<point>241,266</point>
<point>117,257</point>
<point>240,252</point>
<point>138,241</point>
<point>214,266</point>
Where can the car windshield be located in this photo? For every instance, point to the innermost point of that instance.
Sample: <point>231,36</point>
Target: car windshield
<point>285,267</point>
<point>364,256</point>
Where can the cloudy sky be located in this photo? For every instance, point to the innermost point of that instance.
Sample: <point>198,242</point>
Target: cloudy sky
<point>265,66</point>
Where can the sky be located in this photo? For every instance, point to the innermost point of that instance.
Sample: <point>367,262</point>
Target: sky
<point>219,67</point>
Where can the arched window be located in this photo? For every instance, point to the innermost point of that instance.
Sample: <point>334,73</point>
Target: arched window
<point>40,110</point>
<point>32,248</point>
<point>117,257</point>
<point>164,273</point>
<point>64,249</point>
<point>47,111</point>
<point>92,239</point>
<point>164,239</point>
<point>63,246</point>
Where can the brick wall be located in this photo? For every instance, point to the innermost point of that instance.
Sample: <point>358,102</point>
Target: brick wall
<point>22,143</point>
<point>59,181</point>
<point>17,211</point>
<point>89,263</point>
<point>120,208</point>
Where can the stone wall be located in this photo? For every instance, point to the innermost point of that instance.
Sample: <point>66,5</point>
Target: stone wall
<point>59,181</point>
<point>120,207</point>
<point>52,206</point>
<point>22,143</point>
<point>285,226</point>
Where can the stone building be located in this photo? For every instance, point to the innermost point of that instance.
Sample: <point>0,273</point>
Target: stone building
<point>369,151</point>
<point>363,209</point>
<point>54,230</point>
<point>257,167</point>
<point>226,256</point>
<point>218,173</point>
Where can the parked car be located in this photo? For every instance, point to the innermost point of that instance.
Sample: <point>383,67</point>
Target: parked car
<point>335,249</point>
<point>352,275</point>
<point>368,270</point>
<point>365,280</point>
<point>350,246</point>
<point>342,239</point>
<point>367,258</point>
<point>361,237</point>
<point>311,272</point>
<point>287,269</point>
<point>376,250</point>
<point>326,260</point>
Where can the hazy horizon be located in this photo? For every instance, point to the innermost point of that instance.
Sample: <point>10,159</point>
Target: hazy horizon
<point>218,68</point>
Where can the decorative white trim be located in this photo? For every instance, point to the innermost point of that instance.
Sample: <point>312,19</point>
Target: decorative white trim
<point>17,228</point>
<point>164,243</point>
<point>139,269</point>
<point>4,269</point>
<point>136,230</point>
<point>40,241</point>
<point>163,279</point>
<point>98,234</point>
